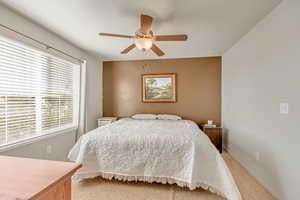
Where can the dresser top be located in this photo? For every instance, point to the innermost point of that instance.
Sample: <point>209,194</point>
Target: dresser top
<point>24,178</point>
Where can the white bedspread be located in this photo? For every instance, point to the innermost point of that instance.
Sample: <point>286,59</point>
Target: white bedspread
<point>165,151</point>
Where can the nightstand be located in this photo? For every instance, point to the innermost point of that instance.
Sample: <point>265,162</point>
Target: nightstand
<point>215,135</point>
<point>102,121</point>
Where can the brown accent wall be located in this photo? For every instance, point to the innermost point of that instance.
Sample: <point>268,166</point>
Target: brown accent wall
<point>198,87</point>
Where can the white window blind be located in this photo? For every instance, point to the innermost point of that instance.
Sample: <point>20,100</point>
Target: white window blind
<point>38,92</point>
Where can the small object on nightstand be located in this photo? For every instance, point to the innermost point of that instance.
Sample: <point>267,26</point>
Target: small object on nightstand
<point>209,126</point>
<point>214,133</point>
<point>102,121</point>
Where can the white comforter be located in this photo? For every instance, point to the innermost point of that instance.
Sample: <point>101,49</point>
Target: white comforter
<point>165,151</point>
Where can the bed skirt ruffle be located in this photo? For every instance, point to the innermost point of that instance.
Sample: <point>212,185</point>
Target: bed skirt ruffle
<point>148,179</point>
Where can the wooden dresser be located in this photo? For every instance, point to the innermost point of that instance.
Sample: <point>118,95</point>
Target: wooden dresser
<point>31,179</point>
<point>215,135</point>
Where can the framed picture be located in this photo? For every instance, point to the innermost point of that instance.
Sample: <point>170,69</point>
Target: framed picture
<point>159,88</point>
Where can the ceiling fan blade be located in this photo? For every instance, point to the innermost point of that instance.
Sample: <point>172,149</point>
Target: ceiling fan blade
<point>128,49</point>
<point>146,22</point>
<point>116,35</point>
<point>157,50</point>
<point>171,37</point>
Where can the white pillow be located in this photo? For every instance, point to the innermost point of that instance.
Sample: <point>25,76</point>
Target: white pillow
<point>144,116</point>
<point>169,117</point>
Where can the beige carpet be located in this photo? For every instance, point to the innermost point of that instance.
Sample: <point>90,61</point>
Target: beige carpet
<point>98,189</point>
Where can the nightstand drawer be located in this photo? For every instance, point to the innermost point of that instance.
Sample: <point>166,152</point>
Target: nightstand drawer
<point>215,136</point>
<point>106,120</point>
<point>102,123</point>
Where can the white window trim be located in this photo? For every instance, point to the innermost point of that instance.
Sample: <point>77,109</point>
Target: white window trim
<point>56,131</point>
<point>37,138</point>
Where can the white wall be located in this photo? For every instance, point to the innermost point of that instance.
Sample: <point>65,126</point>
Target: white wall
<point>61,143</point>
<point>94,92</point>
<point>60,146</point>
<point>261,71</point>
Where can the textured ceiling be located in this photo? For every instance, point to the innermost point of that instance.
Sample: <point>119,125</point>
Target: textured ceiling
<point>213,26</point>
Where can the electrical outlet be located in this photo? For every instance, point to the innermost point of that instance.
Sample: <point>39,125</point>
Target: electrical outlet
<point>49,149</point>
<point>257,156</point>
<point>284,108</point>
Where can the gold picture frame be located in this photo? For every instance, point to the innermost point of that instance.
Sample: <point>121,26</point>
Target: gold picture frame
<point>159,88</point>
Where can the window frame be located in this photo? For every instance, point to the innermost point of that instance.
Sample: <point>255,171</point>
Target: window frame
<point>41,135</point>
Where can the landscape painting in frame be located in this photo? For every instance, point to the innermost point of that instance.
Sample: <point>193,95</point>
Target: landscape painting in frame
<point>159,88</point>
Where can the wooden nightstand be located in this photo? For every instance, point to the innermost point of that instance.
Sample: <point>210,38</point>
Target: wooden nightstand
<point>102,121</point>
<point>215,135</point>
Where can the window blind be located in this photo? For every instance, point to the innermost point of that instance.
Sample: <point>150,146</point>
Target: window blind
<point>37,92</point>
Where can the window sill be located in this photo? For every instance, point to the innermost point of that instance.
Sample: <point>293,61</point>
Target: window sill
<point>35,139</point>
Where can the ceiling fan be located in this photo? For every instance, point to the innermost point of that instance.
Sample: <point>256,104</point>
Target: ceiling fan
<point>144,38</point>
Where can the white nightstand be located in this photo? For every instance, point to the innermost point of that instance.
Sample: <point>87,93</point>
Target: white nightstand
<point>106,120</point>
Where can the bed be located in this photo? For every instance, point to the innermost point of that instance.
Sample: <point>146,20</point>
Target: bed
<point>163,151</point>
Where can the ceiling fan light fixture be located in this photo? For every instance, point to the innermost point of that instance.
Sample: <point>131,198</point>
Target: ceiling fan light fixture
<point>144,39</point>
<point>143,43</point>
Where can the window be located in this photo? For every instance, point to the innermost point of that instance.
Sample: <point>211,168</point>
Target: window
<point>38,92</point>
